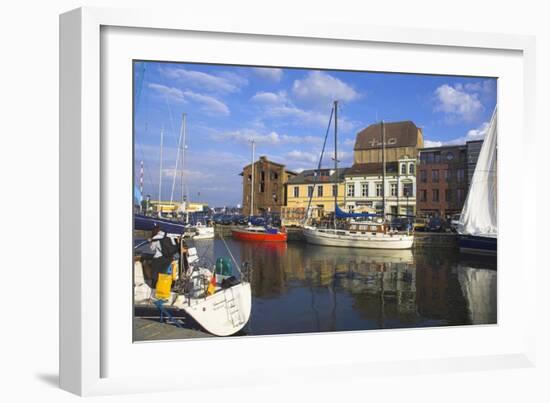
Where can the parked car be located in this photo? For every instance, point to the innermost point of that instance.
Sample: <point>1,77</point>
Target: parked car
<point>257,220</point>
<point>436,224</point>
<point>240,219</point>
<point>226,220</point>
<point>420,224</point>
<point>402,223</point>
<point>454,222</point>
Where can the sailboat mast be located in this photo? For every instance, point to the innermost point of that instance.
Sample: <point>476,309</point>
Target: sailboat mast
<point>383,170</point>
<point>160,164</point>
<point>335,158</point>
<point>252,181</point>
<point>176,172</point>
<point>184,121</point>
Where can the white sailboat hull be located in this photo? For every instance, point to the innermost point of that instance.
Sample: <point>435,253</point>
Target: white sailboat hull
<point>204,233</point>
<point>224,313</point>
<point>330,237</point>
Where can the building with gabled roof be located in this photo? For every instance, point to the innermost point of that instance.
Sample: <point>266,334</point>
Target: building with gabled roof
<point>402,139</point>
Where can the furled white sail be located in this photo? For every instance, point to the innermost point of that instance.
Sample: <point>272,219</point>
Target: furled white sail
<point>479,214</point>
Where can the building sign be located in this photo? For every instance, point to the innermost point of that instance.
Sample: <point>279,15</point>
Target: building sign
<point>389,142</point>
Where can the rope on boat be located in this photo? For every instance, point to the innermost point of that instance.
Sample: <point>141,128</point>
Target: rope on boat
<point>231,255</point>
<point>316,178</point>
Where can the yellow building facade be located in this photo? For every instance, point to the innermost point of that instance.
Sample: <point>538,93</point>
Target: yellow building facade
<point>320,187</point>
<point>322,195</point>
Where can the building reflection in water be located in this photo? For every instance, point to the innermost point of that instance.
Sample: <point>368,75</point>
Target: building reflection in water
<point>298,287</point>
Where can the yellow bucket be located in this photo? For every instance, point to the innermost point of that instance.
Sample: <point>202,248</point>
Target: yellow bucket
<point>164,283</point>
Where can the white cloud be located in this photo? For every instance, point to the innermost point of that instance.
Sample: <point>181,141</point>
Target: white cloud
<point>485,86</point>
<point>473,134</point>
<point>170,93</point>
<point>456,102</point>
<point>272,74</point>
<point>270,98</point>
<point>301,156</point>
<point>321,89</point>
<point>430,143</point>
<point>271,138</point>
<point>209,105</point>
<point>280,106</point>
<point>479,133</point>
<point>224,82</point>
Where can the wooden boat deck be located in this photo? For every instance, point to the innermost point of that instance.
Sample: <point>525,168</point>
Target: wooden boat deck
<point>152,329</point>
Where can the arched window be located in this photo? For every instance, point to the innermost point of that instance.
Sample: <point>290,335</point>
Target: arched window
<point>403,169</point>
<point>411,169</point>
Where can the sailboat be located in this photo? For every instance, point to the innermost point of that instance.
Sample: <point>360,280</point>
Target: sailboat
<point>477,227</point>
<point>363,230</point>
<point>257,233</point>
<point>220,307</point>
<point>144,222</point>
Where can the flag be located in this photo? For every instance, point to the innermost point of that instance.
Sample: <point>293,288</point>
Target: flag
<point>212,285</point>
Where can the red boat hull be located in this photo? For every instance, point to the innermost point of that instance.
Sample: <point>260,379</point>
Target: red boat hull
<point>258,236</point>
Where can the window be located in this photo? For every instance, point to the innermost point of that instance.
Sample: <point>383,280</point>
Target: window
<point>435,195</point>
<point>449,156</point>
<point>437,157</point>
<point>423,158</point>
<point>351,208</point>
<point>448,195</point>
<point>351,189</point>
<point>393,189</point>
<point>407,189</point>
<point>435,175</point>
<point>460,195</point>
<point>423,195</point>
<point>423,176</point>
<point>403,169</point>
<point>320,191</point>
<point>334,190</point>
<point>364,190</point>
<point>460,175</point>
<point>296,191</point>
<point>262,175</point>
<point>430,158</point>
<point>411,169</point>
<point>309,191</point>
<point>262,187</point>
<point>379,189</point>
<point>447,173</point>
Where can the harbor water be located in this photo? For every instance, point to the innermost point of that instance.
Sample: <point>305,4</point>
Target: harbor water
<point>298,287</point>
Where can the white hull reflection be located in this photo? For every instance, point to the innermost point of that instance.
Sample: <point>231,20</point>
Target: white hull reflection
<point>479,287</point>
<point>349,239</point>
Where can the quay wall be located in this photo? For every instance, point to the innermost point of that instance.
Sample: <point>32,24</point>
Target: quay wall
<point>435,239</point>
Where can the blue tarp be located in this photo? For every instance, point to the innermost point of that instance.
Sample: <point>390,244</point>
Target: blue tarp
<point>342,214</point>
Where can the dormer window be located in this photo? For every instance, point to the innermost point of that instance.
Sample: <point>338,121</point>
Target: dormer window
<point>403,169</point>
<point>411,169</point>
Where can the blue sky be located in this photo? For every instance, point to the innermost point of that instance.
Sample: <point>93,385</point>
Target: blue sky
<point>286,111</point>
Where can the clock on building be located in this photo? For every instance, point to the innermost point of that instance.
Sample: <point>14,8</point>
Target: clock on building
<point>450,156</point>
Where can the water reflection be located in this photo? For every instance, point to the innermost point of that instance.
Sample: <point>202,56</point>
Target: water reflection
<point>298,287</point>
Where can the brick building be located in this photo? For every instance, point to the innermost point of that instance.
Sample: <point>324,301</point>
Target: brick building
<point>473,148</point>
<point>442,181</point>
<point>403,139</point>
<point>270,179</point>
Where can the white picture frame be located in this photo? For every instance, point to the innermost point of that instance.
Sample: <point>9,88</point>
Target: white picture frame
<point>90,311</point>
